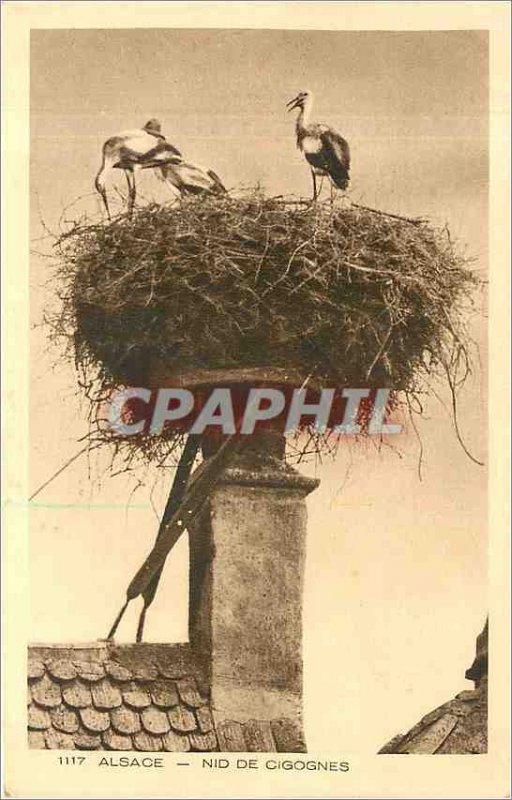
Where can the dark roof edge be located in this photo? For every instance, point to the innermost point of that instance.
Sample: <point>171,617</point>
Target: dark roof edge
<point>179,658</point>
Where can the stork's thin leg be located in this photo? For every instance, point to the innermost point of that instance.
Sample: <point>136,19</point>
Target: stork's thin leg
<point>127,176</point>
<point>332,193</point>
<point>129,198</point>
<point>321,186</point>
<point>134,188</point>
<point>130,177</point>
<point>315,195</point>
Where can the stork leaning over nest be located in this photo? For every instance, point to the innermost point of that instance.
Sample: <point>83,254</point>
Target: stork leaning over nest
<point>326,152</point>
<point>147,148</point>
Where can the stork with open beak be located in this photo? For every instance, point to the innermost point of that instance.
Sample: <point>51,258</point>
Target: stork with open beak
<point>326,152</point>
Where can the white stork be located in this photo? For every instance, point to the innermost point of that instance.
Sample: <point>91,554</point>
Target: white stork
<point>147,148</point>
<point>325,150</point>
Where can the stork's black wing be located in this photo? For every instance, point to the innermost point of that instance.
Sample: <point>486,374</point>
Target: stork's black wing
<point>170,148</point>
<point>158,154</point>
<point>336,156</point>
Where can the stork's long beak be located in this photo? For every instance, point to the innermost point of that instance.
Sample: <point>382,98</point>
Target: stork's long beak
<point>291,104</point>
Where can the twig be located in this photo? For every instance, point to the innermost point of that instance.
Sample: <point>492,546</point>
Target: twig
<point>417,433</point>
<point>455,421</point>
<point>379,351</point>
<point>412,220</point>
<point>59,472</point>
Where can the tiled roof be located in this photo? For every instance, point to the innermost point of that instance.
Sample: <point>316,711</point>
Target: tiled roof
<point>136,697</point>
<point>457,727</point>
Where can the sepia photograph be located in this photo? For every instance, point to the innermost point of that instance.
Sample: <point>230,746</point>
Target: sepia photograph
<point>259,539</point>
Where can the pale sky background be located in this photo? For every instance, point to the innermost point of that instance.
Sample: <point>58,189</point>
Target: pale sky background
<point>396,568</point>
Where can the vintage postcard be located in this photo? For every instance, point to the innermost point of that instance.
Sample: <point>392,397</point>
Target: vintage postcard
<point>256,448</point>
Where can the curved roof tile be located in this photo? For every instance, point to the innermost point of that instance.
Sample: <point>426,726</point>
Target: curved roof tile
<point>152,698</point>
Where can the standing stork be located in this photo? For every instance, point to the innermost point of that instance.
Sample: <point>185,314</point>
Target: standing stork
<point>325,150</point>
<point>147,148</point>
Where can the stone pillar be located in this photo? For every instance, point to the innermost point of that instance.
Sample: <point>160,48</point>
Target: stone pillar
<point>247,554</point>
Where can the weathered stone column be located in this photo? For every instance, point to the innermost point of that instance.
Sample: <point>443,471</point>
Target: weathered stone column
<point>247,554</point>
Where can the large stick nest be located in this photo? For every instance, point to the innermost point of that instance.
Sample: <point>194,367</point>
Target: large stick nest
<point>354,297</point>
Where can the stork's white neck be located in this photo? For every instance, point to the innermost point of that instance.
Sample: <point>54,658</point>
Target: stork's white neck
<point>304,114</point>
